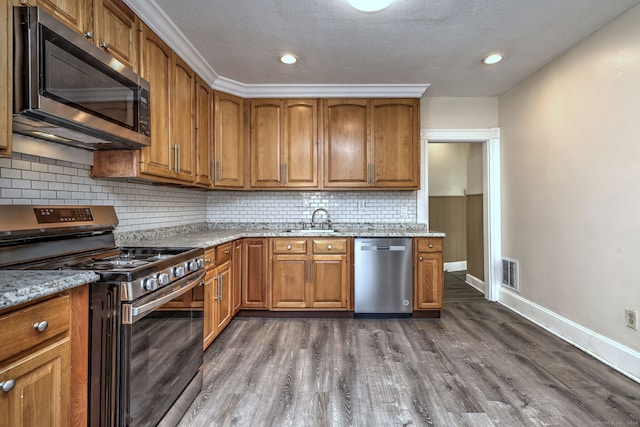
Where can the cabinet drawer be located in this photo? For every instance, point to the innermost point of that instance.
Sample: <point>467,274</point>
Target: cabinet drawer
<point>210,258</point>
<point>329,246</point>
<point>17,330</point>
<point>289,246</point>
<point>430,245</point>
<point>223,253</point>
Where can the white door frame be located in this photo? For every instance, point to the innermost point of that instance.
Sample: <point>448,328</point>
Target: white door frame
<point>491,186</point>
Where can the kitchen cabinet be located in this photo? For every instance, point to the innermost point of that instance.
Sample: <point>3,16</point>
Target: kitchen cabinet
<point>428,273</point>
<point>371,143</point>
<point>43,372</point>
<point>236,275</point>
<point>284,143</point>
<point>182,124</point>
<point>6,82</point>
<point>75,14</point>
<point>218,297</point>
<point>204,133</point>
<point>311,274</point>
<point>229,142</point>
<point>255,292</point>
<point>116,31</point>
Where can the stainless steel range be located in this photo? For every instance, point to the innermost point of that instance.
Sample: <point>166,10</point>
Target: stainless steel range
<point>145,356</point>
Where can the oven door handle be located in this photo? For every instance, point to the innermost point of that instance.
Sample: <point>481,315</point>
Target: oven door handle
<point>178,290</point>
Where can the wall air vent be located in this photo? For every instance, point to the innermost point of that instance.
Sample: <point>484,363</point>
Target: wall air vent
<point>511,273</point>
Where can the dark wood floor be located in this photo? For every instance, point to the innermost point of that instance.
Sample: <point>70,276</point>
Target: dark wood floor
<point>479,365</point>
<point>457,290</point>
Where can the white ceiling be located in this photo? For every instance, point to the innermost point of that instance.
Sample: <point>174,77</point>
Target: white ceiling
<point>425,42</point>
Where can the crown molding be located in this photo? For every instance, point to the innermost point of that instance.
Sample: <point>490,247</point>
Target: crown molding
<point>156,18</point>
<point>319,90</point>
<point>163,26</point>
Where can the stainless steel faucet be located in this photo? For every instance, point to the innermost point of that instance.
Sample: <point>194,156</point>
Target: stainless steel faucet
<point>327,222</point>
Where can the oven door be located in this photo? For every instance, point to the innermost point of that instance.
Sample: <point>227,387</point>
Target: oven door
<point>161,354</point>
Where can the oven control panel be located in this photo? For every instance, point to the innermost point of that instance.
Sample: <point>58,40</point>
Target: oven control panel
<point>50,215</point>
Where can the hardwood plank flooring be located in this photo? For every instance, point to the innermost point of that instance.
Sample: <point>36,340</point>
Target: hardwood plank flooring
<point>479,365</point>
<point>456,288</point>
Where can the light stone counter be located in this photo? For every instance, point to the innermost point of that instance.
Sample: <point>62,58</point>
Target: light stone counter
<point>20,286</point>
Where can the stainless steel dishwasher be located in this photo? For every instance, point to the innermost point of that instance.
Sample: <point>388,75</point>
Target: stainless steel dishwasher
<point>383,276</point>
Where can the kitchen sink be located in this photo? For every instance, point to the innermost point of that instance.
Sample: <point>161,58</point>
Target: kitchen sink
<point>313,231</point>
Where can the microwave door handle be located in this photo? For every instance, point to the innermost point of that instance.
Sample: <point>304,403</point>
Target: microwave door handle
<point>146,308</point>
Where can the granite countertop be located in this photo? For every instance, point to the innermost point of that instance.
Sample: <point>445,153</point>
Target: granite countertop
<point>20,286</point>
<point>204,235</point>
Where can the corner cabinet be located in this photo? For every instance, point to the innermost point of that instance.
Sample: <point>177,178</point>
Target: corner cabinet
<point>229,142</point>
<point>428,273</point>
<point>284,141</point>
<point>204,134</point>
<point>371,143</point>
<point>6,78</point>
<point>310,274</point>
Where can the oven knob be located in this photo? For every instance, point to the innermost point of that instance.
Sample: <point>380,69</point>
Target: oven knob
<point>163,279</point>
<point>200,263</point>
<point>193,265</point>
<point>151,284</point>
<point>178,271</point>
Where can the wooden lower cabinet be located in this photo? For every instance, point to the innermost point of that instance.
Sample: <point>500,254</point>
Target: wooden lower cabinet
<point>428,274</point>
<point>43,374</point>
<point>218,295</point>
<point>310,274</point>
<point>254,275</point>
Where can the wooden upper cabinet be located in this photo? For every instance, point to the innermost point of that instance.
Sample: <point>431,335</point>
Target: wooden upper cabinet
<point>284,143</point>
<point>346,143</point>
<point>396,143</point>
<point>76,14</point>
<point>204,133</point>
<point>182,125</point>
<point>229,141</point>
<point>156,67</point>
<point>6,79</point>
<point>372,143</point>
<point>116,31</point>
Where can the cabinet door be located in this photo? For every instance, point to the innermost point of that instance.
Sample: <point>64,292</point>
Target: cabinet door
<point>41,394</point>
<point>300,143</point>
<point>204,133</point>
<point>224,297</point>
<point>76,14</point>
<point>116,31</point>
<point>254,274</point>
<point>267,168</point>
<point>230,141</point>
<point>429,281</point>
<point>346,136</point>
<point>182,125</point>
<point>210,307</point>
<point>289,281</point>
<point>396,143</point>
<point>329,282</point>
<point>6,79</point>
<point>236,275</point>
<point>156,67</point>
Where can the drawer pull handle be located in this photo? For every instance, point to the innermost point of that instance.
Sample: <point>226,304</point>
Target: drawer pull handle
<point>431,245</point>
<point>41,326</point>
<point>7,386</point>
<point>288,247</point>
<point>329,247</point>
<point>420,258</point>
<point>207,260</point>
<point>227,252</point>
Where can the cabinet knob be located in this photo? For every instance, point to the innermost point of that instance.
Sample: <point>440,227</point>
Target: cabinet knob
<point>41,326</point>
<point>329,247</point>
<point>88,35</point>
<point>288,247</point>
<point>420,258</point>
<point>207,260</point>
<point>104,45</point>
<point>227,252</point>
<point>7,386</point>
<point>431,245</point>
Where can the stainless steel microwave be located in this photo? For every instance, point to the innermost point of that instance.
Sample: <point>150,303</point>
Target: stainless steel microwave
<point>69,91</point>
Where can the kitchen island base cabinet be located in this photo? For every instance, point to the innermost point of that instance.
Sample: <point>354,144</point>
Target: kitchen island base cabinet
<point>310,274</point>
<point>428,274</point>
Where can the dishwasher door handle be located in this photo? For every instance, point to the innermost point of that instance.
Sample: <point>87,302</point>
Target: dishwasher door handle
<point>383,248</point>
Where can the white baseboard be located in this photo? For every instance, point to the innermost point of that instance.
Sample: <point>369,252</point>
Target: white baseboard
<point>619,357</point>
<point>455,266</point>
<point>475,282</point>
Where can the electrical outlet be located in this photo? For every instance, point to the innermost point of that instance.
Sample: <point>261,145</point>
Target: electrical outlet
<point>238,201</point>
<point>631,318</point>
<point>306,202</point>
<point>404,211</point>
<point>361,205</point>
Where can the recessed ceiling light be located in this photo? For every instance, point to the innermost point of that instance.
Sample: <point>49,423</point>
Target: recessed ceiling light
<point>493,58</point>
<point>288,59</point>
<point>370,5</point>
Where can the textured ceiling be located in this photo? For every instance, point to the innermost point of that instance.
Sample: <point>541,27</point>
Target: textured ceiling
<point>436,42</point>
